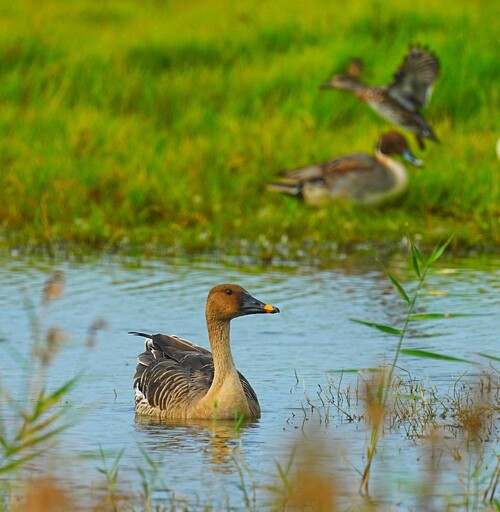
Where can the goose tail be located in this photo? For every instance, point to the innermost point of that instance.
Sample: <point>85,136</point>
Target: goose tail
<point>144,335</point>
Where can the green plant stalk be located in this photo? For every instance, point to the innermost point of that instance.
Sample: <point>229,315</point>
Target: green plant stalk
<point>112,473</point>
<point>384,386</point>
<point>241,468</point>
<point>411,308</point>
<point>489,493</point>
<point>37,422</point>
<point>149,478</point>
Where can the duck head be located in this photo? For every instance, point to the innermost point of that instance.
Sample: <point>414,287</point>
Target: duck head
<point>228,301</point>
<point>346,82</point>
<point>391,143</point>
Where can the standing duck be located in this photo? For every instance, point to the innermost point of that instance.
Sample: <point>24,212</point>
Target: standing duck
<point>176,379</point>
<point>400,101</point>
<point>358,178</point>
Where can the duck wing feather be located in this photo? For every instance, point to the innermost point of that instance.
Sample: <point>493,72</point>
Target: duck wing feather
<point>355,176</point>
<point>324,170</point>
<point>413,80</point>
<point>336,175</point>
<point>311,172</point>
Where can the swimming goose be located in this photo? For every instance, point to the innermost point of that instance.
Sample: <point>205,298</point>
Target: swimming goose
<point>176,379</point>
<point>400,101</point>
<point>357,177</point>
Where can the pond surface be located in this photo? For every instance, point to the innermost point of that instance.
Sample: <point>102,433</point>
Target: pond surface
<point>285,357</point>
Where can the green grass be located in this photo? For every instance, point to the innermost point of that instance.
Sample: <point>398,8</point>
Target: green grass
<point>149,125</point>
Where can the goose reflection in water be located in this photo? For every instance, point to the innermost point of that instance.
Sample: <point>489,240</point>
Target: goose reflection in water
<point>219,441</point>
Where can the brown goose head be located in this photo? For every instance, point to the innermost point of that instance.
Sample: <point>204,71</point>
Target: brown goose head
<point>391,143</point>
<point>228,301</point>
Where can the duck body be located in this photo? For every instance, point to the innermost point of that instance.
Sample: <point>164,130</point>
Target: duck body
<point>358,177</point>
<point>380,100</point>
<point>401,100</point>
<point>176,379</point>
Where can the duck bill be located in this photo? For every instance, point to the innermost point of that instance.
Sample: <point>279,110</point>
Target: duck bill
<point>253,306</point>
<point>410,158</point>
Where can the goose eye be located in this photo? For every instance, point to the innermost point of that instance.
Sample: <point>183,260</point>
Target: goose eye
<point>228,291</point>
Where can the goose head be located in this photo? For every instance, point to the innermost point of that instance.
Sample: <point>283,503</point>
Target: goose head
<point>228,301</point>
<point>391,143</point>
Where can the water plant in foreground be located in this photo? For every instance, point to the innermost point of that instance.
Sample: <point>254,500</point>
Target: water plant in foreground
<point>35,417</point>
<point>455,427</point>
<point>377,403</point>
<point>389,398</point>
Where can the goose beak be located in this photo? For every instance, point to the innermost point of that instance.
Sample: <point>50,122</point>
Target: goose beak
<point>328,85</point>
<point>410,158</point>
<point>252,306</point>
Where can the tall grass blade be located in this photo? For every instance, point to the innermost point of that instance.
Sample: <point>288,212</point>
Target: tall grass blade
<point>407,396</point>
<point>439,316</point>
<point>19,462</point>
<point>355,370</point>
<point>438,252</point>
<point>147,458</point>
<point>32,441</point>
<point>418,254</point>
<point>395,282</point>
<point>488,356</point>
<point>417,259</point>
<point>384,328</point>
<point>416,266</point>
<point>432,355</point>
<point>45,402</point>
<point>32,429</point>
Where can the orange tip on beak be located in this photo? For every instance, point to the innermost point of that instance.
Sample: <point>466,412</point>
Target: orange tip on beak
<point>268,308</point>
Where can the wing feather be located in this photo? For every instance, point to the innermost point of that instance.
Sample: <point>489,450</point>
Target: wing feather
<point>413,80</point>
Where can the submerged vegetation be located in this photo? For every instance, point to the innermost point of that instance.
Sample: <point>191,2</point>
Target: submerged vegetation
<point>454,431</point>
<point>156,127</point>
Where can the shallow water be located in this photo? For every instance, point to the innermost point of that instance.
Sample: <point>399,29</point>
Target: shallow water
<point>284,357</point>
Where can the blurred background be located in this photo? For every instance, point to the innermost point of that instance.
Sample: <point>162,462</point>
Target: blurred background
<point>155,126</point>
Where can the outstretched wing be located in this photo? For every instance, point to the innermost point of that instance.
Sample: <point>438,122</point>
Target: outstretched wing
<point>413,81</point>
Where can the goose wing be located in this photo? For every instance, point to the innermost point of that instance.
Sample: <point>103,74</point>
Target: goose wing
<point>413,80</point>
<point>172,371</point>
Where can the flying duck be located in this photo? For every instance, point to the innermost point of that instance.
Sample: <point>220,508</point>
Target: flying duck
<point>401,100</point>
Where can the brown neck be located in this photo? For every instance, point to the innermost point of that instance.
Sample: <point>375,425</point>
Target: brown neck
<point>218,334</point>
